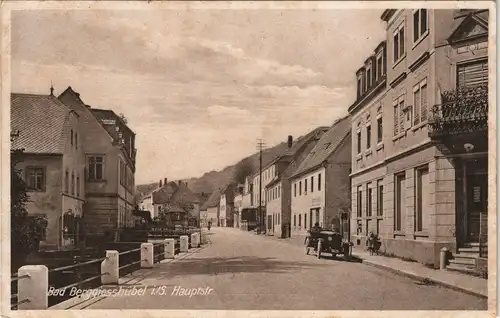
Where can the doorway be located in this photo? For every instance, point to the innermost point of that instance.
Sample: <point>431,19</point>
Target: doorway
<point>474,200</point>
<point>313,217</point>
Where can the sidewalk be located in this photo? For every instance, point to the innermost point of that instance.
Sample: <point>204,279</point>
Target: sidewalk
<point>464,283</point>
<point>468,284</point>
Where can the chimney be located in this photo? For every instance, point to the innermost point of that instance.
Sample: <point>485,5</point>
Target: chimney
<point>202,193</point>
<point>180,182</point>
<point>160,183</point>
<point>165,181</point>
<point>51,90</point>
<point>290,141</point>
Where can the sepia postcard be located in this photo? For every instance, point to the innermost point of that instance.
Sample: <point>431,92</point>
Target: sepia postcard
<point>248,159</point>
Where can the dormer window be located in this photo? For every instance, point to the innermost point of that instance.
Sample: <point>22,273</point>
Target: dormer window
<point>369,77</point>
<point>380,66</point>
<point>360,85</point>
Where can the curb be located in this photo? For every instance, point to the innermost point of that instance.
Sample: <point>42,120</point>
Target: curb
<point>423,278</point>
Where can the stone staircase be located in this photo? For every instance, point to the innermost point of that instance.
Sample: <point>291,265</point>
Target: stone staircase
<point>465,260</point>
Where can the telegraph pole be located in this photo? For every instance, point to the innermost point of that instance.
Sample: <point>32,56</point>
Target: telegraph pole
<point>260,147</point>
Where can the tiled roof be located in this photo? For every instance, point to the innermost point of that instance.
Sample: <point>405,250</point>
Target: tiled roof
<point>325,146</point>
<point>212,201</point>
<point>184,194</point>
<point>163,194</point>
<point>41,120</point>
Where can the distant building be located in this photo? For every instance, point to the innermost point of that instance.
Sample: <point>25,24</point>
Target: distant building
<point>110,152</point>
<point>238,205</point>
<point>320,186</point>
<point>175,204</point>
<point>226,206</point>
<point>278,206</point>
<point>53,164</point>
<point>210,209</point>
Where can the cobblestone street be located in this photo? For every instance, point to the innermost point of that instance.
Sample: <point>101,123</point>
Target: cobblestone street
<point>250,272</point>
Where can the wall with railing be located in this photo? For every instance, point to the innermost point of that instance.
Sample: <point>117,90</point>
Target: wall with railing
<point>36,286</point>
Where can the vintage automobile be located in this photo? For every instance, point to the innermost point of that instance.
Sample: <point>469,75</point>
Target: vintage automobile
<point>328,242</point>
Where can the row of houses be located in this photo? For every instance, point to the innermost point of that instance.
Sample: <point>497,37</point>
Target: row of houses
<point>410,160</point>
<point>78,163</point>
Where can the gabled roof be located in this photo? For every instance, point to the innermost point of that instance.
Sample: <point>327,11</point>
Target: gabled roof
<point>163,195</point>
<point>213,200</point>
<point>326,146</point>
<point>184,195</point>
<point>290,153</point>
<point>40,120</point>
<point>471,26</point>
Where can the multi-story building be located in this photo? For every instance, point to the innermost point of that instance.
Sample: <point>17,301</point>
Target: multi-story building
<point>52,165</point>
<point>320,185</point>
<point>278,206</point>
<point>248,215</point>
<point>109,146</point>
<point>226,205</point>
<point>426,188</point>
<point>238,206</point>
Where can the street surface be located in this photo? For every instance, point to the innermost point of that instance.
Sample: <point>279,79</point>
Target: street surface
<point>242,271</point>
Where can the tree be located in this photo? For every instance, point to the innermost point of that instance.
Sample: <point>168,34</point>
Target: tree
<point>243,169</point>
<point>26,230</point>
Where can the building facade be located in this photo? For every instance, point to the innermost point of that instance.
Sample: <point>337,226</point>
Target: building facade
<point>110,152</point>
<point>52,165</point>
<point>320,185</point>
<point>424,185</point>
<point>211,208</point>
<point>278,207</point>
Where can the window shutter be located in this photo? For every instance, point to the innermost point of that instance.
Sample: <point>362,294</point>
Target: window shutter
<point>423,103</point>
<point>416,105</point>
<point>396,119</point>
<point>473,74</point>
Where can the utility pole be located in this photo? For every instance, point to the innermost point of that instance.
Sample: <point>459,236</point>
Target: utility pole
<point>260,147</point>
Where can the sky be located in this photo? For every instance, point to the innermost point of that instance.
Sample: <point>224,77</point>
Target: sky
<point>198,87</point>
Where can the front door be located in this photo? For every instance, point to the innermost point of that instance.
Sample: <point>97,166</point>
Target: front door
<point>476,185</point>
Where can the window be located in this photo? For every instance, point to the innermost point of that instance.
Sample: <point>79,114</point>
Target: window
<point>369,199</point>
<point>360,86</point>
<point>399,202</point>
<point>359,202</point>
<point>420,102</point>
<point>71,137</point>
<point>279,191</point>
<point>294,220</point>
<point>419,23</point>
<point>35,178</point>
<point>300,188</point>
<point>312,184</point>
<point>368,137</point>
<point>379,130</point>
<point>472,74</point>
<point>300,219</point>
<point>76,140</point>
<point>96,168</point>
<point>73,185</point>
<point>379,67</point>
<point>359,141</point>
<point>319,182</point>
<point>422,197</point>
<point>368,78</point>
<point>305,221</point>
<point>305,186</point>
<point>380,198</point>
<point>295,189</point>
<point>66,181</point>
<point>77,184</point>
<point>399,104</point>
<point>399,43</point>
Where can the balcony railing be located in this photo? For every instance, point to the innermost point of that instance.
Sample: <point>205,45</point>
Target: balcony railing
<point>463,110</point>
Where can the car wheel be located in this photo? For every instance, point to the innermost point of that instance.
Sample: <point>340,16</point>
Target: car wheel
<point>319,249</point>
